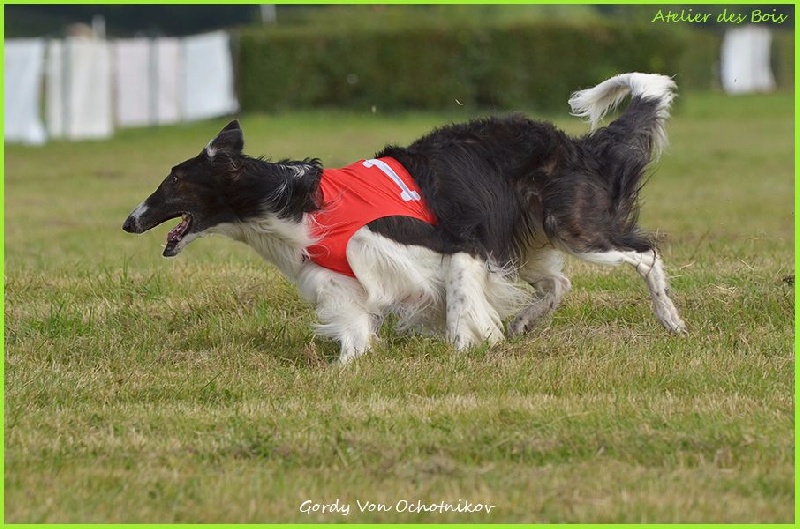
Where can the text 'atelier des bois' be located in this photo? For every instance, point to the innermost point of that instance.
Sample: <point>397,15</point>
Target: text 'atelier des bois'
<point>756,16</point>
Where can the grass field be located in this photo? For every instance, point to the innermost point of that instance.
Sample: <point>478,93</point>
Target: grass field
<point>139,389</point>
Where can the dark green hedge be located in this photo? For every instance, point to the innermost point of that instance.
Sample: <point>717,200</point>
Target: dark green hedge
<point>532,66</point>
<point>783,59</point>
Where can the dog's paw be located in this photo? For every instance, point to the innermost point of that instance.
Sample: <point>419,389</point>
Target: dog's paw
<point>668,315</point>
<point>675,325</point>
<point>349,354</point>
<point>519,326</point>
<point>346,358</point>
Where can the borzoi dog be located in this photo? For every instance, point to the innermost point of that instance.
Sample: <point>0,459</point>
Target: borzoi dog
<point>445,232</point>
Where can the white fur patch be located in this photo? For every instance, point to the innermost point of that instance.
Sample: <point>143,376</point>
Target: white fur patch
<point>342,309</point>
<point>427,290</point>
<point>282,242</point>
<point>139,211</point>
<point>471,319</point>
<point>594,103</point>
<point>298,171</point>
<point>210,150</point>
<point>395,274</point>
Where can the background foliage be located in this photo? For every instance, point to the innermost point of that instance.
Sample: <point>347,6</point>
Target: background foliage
<point>495,57</point>
<point>506,65</point>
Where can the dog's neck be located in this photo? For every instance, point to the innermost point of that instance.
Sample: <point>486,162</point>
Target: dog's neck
<point>281,242</point>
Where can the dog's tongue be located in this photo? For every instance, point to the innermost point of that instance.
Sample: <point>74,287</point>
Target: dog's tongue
<point>176,234</point>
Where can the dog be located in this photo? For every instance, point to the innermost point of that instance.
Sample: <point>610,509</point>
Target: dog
<point>445,232</point>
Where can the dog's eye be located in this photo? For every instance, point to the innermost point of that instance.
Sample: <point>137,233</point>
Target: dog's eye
<point>173,179</point>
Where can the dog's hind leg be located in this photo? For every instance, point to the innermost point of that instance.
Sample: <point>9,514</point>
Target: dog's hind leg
<point>470,317</point>
<point>543,272</point>
<point>651,268</point>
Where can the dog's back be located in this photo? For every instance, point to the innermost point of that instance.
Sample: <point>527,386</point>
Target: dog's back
<point>496,184</point>
<point>483,181</point>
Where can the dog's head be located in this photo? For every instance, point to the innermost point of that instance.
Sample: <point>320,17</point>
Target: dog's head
<point>223,186</point>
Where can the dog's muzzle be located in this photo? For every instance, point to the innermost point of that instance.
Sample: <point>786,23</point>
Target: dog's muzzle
<point>131,225</point>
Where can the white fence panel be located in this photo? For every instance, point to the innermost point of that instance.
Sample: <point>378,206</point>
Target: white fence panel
<point>93,84</point>
<point>208,80</point>
<point>79,89</point>
<point>23,65</point>
<point>133,79</point>
<point>745,61</point>
<point>169,66</point>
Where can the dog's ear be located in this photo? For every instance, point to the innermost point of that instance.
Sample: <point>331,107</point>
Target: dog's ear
<point>306,177</point>
<point>305,180</point>
<point>230,140</point>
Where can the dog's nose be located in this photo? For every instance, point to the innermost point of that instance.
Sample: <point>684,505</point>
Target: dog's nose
<point>130,225</point>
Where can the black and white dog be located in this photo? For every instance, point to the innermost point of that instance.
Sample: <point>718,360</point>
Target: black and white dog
<point>444,231</point>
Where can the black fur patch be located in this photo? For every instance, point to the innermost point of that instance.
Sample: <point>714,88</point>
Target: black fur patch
<point>287,189</point>
<point>492,183</point>
<point>413,231</point>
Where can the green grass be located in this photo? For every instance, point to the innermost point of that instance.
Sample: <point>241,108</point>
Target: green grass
<point>139,389</point>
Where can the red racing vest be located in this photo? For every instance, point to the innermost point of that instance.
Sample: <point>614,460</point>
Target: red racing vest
<point>355,196</point>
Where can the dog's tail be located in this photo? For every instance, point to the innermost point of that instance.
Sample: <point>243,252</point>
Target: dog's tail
<point>623,149</point>
<point>652,96</point>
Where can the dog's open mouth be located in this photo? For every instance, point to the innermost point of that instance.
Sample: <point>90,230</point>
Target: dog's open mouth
<point>176,235</point>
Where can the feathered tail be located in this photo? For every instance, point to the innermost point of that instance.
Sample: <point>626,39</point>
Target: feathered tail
<point>594,103</point>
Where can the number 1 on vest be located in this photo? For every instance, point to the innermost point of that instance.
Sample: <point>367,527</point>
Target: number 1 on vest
<point>405,193</point>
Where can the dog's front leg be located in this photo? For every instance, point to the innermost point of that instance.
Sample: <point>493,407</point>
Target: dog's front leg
<point>342,312</point>
<point>354,332</point>
<point>350,325</point>
<point>470,318</point>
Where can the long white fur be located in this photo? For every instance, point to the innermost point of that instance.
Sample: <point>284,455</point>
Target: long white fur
<point>461,294</point>
<point>420,286</point>
<point>279,241</point>
<point>594,103</point>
